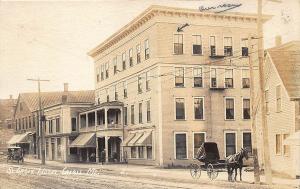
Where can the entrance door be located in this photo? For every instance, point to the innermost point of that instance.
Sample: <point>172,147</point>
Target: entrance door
<point>101,148</point>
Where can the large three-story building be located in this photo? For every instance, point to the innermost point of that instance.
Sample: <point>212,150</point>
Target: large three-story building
<point>175,78</point>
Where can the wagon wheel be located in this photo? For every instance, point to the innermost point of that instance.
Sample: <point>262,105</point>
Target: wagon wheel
<point>211,172</point>
<point>195,171</point>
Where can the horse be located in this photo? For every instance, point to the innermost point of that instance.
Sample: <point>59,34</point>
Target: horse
<point>235,162</point>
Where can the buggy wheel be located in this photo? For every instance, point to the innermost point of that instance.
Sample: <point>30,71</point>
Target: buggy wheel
<point>195,171</point>
<point>211,172</point>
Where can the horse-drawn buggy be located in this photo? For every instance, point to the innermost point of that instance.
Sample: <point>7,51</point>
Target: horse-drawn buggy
<point>15,153</point>
<point>209,158</point>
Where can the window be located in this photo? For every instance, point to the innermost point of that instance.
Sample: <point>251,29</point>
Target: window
<point>213,78</point>
<point>33,121</point>
<point>147,50</point>
<point>29,120</point>
<point>73,151</point>
<point>278,144</point>
<point>229,103</point>
<point>244,45</point>
<point>132,114</point>
<point>178,43</point>
<point>26,122</point>
<point>51,126</point>
<point>245,78</point>
<point>228,78</point>
<point>199,108</point>
<point>140,113</point>
<point>83,120</point>
<point>116,92</point>
<point>125,116</point>
<point>106,70</point>
<point>180,109</point>
<point>125,89</point>
<point>57,124</point>
<point>140,90</point>
<point>141,151</point>
<point>115,65</point>
<point>278,98</point>
<point>138,53</point>
<point>227,46</point>
<point>247,142</point>
<point>98,78</point>
<point>197,77</point>
<point>58,141</point>
<point>286,148</point>
<point>130,58</point>
<point>179,77</point>
<point>230,142</point>
<point>102,72</point>
<point>197,45</point>
<point>180,146</point>
<point>23,123</point>
<point>199,139</point>
<point>246,109</point>
<point>212,41</point>
<point>267,101</point>
<point>124,60</point>
<point>133,152</point>
<point>148,80</point>
<point>148,111</point>
<point>149,152</point>
<point>74,123</point>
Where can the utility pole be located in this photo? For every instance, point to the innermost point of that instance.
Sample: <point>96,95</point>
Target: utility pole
<point>253,114</point>
<point>41,121</point>
<point>265,133</point>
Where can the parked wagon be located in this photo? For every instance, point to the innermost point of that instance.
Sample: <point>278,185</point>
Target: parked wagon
<point>15,153</point>
<point>209,158</point>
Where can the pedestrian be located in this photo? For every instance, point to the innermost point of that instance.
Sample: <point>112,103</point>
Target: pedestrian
<point>102,156</point>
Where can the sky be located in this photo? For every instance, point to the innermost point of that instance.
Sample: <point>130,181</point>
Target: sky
<point>50,39</point>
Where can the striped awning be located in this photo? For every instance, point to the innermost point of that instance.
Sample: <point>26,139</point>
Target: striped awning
<point>84,140</point>
<point>135,139</point>
<point>20,138</point>
<point>128,139</point>
<point>145,139</point>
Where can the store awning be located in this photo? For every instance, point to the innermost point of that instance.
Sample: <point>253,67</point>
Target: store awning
<point>294,139</point>
<point>20,138</point>
<point>128,138</point>
<point>135,139</point>
<point>145,140</point>
<point>85,140</point>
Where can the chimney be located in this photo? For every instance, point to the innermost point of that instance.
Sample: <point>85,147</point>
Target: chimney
<point>277,40</point>
<point>10,97</point>
<point>66,87</point>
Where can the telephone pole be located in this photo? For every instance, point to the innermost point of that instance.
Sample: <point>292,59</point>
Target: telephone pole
<point>41,121</point>
<point>265,132</point>
<point>253,114</point>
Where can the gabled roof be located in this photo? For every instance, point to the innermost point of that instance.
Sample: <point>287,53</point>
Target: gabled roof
<point>54,98</point>
<point>286,59</point>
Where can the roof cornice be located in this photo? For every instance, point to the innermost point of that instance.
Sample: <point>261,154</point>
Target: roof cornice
<point>156,10</point>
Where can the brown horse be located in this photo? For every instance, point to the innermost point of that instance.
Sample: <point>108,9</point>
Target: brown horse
<point>235,162</point>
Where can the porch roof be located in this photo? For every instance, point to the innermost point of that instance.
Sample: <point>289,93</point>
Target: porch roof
<point>102,105</point>
<point>145,139</point>
<point>84,140</point>
<point>20,138</point>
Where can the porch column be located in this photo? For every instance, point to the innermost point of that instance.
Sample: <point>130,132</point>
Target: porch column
<point>87,155</point>
<point>86,121</point>
<point>80,155</point>
<point>106,117</point>
<point>121,116</point>
<point>106,148</point>
<point>96,120</point>
<point>121,150</point>
<point>97,151</point>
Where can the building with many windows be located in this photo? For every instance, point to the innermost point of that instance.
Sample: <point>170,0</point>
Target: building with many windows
<point>173,78</point>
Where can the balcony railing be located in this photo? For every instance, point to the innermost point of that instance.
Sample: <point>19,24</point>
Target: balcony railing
<point>110,126</point>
